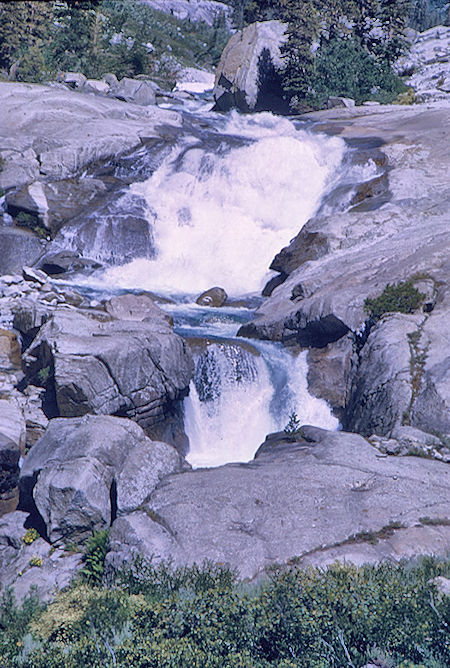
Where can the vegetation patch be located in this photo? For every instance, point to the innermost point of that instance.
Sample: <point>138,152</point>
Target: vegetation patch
<point>400,297</point>
<point>160,617</point>
<point>31,222</point>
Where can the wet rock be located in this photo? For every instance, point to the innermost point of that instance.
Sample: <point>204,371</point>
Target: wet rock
<point>212,297</point>
<point>248,75</point>
<point>34,275</point>
<point>84,471</point>
<point>329,371</point>
<point>60,262</point>
<point>305,502</point>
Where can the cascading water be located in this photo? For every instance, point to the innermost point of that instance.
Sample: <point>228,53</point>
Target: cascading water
<point>222,204</point>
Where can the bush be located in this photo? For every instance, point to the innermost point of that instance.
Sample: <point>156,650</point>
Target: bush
<point>401,298</point>
<point>156,617</point>
<point>94,558</point>
<point>345,69</point>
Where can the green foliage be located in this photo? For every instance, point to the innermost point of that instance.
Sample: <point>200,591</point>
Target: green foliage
<point>94,558</point>
<point>155,616</point>
<point>401,297</point>
<point>38,39</point>
<point>31,222</point>
<point>293,426</point>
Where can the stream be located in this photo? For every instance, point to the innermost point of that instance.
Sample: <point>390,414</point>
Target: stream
<point>220,203</point>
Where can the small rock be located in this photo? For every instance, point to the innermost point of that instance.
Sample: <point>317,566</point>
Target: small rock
<point>35,275</point>
<point>74,79</point>
<point>442,584</point>
<point>95,86</point>
<point>212,297</point>
<point>345,102</point>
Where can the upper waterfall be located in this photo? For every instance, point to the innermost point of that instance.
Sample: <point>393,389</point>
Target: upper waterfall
<point>221,206</point>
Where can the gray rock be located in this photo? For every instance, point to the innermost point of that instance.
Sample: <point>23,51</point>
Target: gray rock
<point>68,130</point>
<point>56,570</point>
<point>442,585</point>
<point>427,64</point>
<point>312,504</point>
<point>212,297</point>
<point>106,366</point>
<point>136,307</point>
<point>207,11</point>
<point>34,275</point>
<point>251,57</point>
<point>74,79</point>
<point>84,470</point>
<point>55,203</point>
<point>133,90</point>
<point>19,247</point>
<point>345,102</point>
<point>10,353</point>
<point>95,86</point>
<point>12,446</point>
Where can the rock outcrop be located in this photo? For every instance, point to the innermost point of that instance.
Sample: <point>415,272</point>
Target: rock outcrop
<point>54,133</point>
<point>325,496</point>
<point>95,363</point>
<point>86,471</point>
<point>427,66</point>
<point>248,75</point>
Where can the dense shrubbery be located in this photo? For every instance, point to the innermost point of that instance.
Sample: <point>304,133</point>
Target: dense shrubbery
<point>37,39</point>
<point>401,298</point>
<point>159,617</point>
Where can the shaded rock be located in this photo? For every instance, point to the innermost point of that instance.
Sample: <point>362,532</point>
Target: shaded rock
<point>18,167</point>
<point>248,75</point>
<point>60,262</point>
<point>300,502</point>
<point>55,203</point>
<point>83,471</point>
<point>212,297</point>
<point>105,366</point>
<point>133,90</point>
<point>329,371</point>
<point>19,247</point>
<point>12,446</point>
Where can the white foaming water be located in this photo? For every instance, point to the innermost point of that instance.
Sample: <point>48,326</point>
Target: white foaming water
<point>221,216</point>
<point>232,407</point>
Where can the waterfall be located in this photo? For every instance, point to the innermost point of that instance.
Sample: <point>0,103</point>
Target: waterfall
<point>225,200</point>
<point>222,208</point>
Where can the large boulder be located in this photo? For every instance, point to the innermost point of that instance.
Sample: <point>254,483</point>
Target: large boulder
<point>248,75</point>
<point>320,497</point>
<point>84,472</point>
<point>98,364</point>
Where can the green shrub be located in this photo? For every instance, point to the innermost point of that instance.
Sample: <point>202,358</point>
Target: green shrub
<point>293,425</point>
<point>30,536</point>
<point>157,617</point>
<point>94,558</point>
<point>401,297</point>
